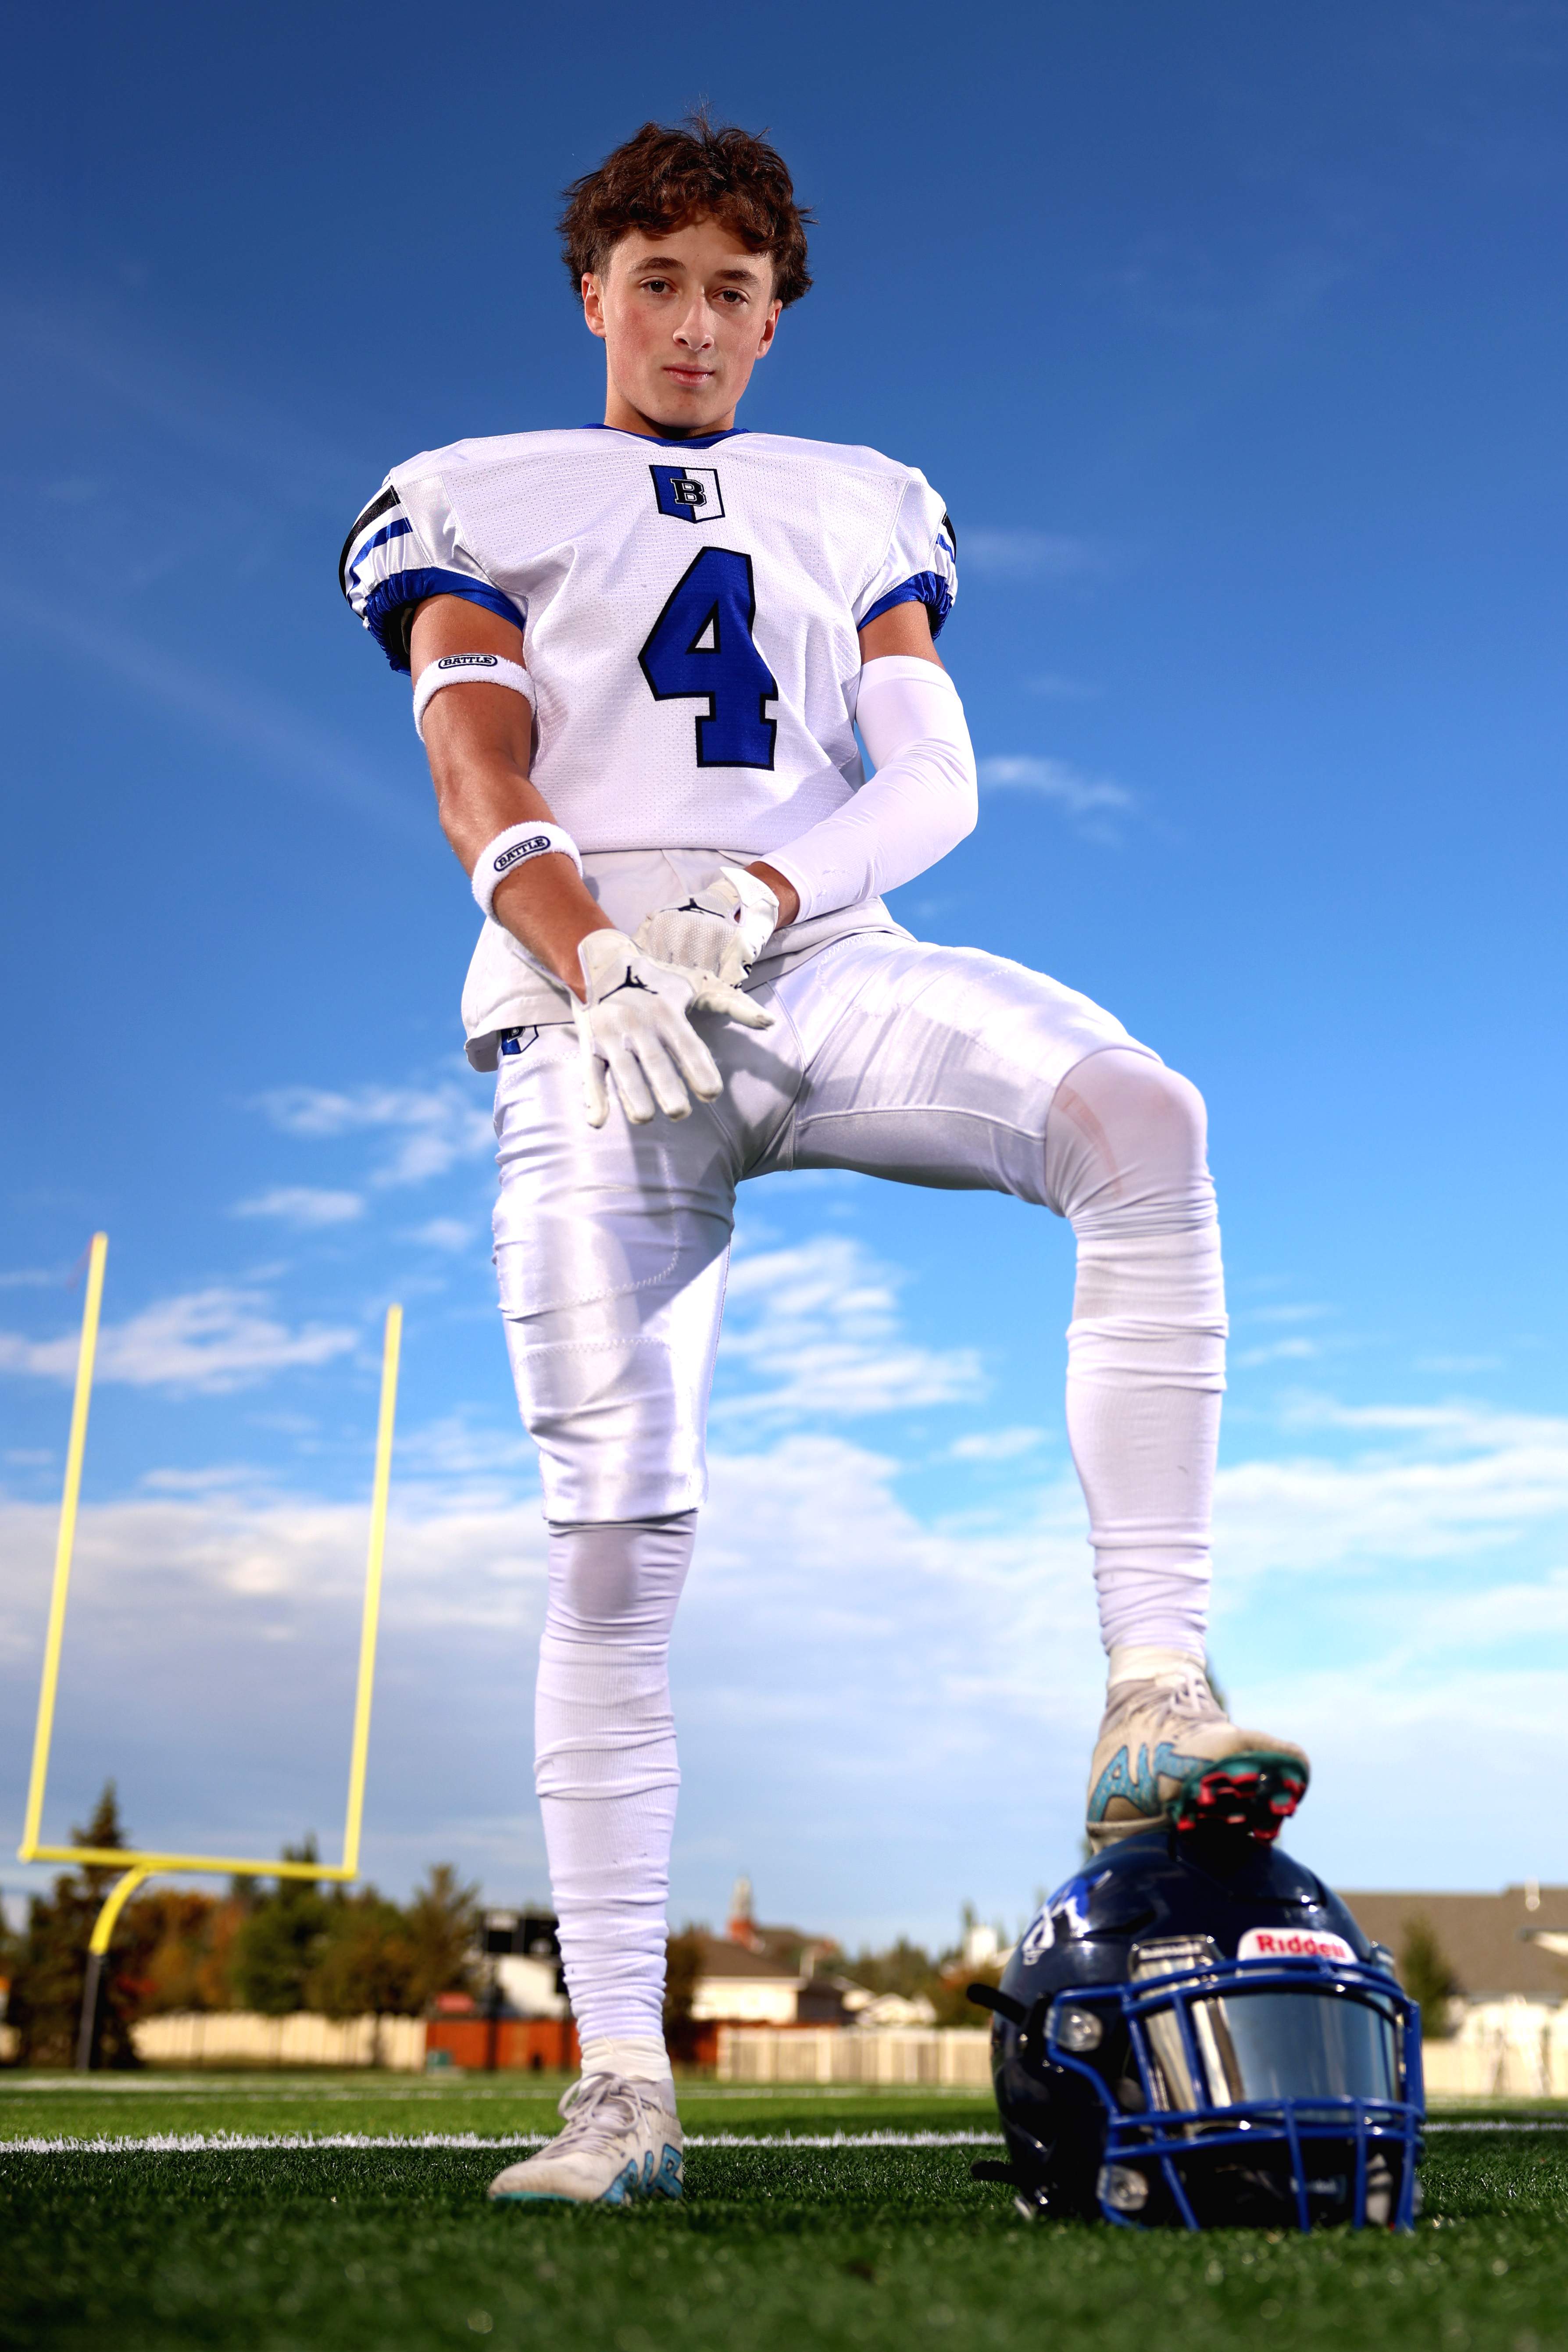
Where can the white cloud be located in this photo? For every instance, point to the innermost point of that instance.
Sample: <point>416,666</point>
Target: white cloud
<point>837,1663</point>
<point>881,1714</point>
<point>206,1342</point>
<point>445,1233</point>
<point>460,1451</point>
<point>813,1330</point>
<point>1454,1480</point>
<point>305,1205</point>
<point>1277,1352</point>
<point>1094,804</point>
<point>1021,554</point>
<point>431,1127</point>
<point>994,1444</point>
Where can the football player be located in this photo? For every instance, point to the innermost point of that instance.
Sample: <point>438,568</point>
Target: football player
<point>640,652</point>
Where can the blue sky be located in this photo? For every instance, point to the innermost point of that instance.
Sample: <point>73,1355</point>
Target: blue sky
<point>1235,340</point>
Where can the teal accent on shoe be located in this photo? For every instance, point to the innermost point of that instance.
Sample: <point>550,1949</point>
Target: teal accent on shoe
<point>670,2180</point>
<point>626,2184</point>
<point>1141,1787</point>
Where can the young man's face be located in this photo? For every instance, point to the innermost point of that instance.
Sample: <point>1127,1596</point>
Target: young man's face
<point>684,317</point>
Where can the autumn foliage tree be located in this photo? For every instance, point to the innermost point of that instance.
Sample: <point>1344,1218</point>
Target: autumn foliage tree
<point>46,1990</point>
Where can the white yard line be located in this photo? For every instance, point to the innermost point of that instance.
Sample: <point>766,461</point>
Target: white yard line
<point>205,2143</point>
<point>198,2143</point>
<point>1502,2124</point>
<point>424,2091</point>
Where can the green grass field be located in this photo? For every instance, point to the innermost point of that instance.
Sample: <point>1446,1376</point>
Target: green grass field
<point>266,2235</point>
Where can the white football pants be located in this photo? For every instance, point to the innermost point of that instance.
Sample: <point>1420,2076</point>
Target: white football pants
<point>929,1064</point>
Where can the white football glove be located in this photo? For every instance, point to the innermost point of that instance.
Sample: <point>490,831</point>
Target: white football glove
<point>718,934</point>
<point>635,1023</point>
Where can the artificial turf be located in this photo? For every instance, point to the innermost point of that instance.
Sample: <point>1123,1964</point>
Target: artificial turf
<point>782,2245</point>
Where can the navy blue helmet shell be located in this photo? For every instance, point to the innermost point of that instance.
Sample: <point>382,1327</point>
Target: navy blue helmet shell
<point>1194,2031</point>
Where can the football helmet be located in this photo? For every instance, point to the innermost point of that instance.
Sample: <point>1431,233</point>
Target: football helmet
<point>1194,2031</point>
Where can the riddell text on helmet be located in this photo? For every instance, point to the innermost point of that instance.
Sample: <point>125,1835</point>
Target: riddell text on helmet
<point>1293,1943</point>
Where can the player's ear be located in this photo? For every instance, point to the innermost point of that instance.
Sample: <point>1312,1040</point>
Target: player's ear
<point>593,304</point>
<point>771,322</point>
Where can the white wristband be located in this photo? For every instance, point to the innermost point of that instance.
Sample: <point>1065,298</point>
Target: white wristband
<point>467,669</point>
<point>513,848</point>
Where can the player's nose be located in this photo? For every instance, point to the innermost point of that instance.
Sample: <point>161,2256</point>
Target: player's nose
<point>696,329</point>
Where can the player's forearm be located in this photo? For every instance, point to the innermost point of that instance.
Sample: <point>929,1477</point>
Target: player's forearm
<point>920,803</point>
<point>481,789</point>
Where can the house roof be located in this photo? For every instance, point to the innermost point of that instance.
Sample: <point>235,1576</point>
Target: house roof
<point>1480,1936</point>
<point>720,1958</point>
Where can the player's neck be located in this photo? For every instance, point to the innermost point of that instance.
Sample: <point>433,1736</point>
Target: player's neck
<point>622,417</point>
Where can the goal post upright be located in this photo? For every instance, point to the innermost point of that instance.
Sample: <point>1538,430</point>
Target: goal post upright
<point>135,1864</point>
<point>65,1544</point>
<point>370,1617</point>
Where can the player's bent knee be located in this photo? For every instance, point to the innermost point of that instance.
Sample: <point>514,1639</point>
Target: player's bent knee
<point>1125,1131</point>
<point>1174,1116</point>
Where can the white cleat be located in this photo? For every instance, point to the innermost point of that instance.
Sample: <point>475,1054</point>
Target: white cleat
<point>1168,1752</point>
<point>620,2144</point>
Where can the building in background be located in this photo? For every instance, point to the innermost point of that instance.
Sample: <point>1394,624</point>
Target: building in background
<point>520,2016</point>
<point>754,1975</point>
<point>1493,1970</point>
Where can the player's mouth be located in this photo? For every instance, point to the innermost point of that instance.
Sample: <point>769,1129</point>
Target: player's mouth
<point>691,379</point>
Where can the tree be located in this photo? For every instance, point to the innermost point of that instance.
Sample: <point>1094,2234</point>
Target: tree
<point>10,1948</point>
<point>442,1922</point>
<point>281,1942</point>
<point>949,1993</point>
<point>186,1950</point>
<point>682,1967</point>
<point>46,1991</point>
<point>903,1968</point>
<point>366,1964</point>
<point>1428,1976</point>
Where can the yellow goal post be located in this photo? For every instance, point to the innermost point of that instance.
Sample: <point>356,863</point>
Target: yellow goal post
<point>135,1864</point>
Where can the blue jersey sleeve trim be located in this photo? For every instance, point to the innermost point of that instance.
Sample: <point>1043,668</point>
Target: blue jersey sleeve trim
<point>927,588</point>
<point>401,529</point>
<point>388,612</point>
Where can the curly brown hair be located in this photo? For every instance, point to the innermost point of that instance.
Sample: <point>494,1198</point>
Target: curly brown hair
<point>661,178</point>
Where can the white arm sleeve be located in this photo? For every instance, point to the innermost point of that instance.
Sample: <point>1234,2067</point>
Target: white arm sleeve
<point>921,800</point>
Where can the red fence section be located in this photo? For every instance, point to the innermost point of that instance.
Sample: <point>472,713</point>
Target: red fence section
<point>529,2045</point>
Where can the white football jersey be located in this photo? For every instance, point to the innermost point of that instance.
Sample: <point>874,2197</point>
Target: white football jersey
<point>689,612</point>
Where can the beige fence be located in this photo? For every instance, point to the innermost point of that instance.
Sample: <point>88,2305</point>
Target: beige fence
<point>828,2053</point>
<point>1523,2062</point>
<point>1499,2067</point>
<point>235,2037</point>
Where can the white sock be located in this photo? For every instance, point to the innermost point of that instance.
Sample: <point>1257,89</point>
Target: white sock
<point>1125,1161</point>
<point>1132,1661</point>
<point>605,1767</point>
<point>640,2057</point>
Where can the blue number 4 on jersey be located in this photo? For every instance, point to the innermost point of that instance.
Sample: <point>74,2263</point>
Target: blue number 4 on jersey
<point>701,649</point>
